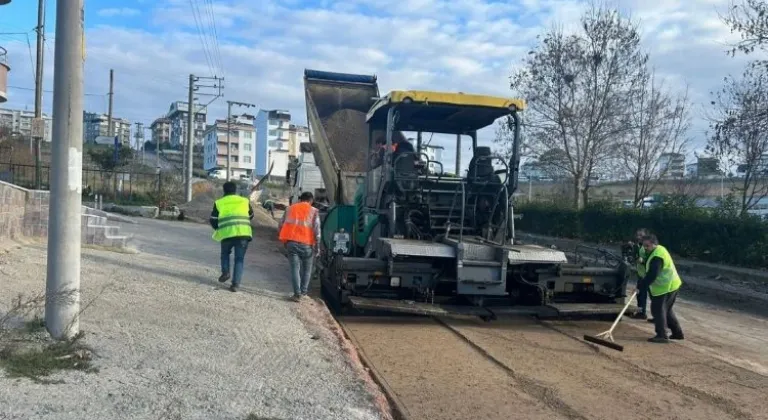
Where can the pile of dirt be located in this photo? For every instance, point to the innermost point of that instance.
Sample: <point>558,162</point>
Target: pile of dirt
<point>347,133</point>
<point>200,207</point>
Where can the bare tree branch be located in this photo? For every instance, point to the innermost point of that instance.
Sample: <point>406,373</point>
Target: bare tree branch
<point>579,88</point>
<point>659,124</point>
<point>741,132</point>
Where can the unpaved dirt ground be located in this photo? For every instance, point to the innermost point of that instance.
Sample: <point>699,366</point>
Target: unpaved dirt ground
<point>171,343</point>
<point>523,368</point>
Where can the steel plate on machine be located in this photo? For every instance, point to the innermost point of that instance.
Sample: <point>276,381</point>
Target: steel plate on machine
<point>586,309</point>
<point>415,308</point>
<point>535,253</point>
<point>408,247</point>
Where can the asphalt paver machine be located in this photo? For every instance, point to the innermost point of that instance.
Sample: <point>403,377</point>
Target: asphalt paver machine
<point>403,235</point>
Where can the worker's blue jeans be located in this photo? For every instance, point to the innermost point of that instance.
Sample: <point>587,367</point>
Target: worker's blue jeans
<point>301,258</point>
<point>240,246</point>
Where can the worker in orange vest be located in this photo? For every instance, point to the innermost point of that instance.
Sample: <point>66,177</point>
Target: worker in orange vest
<point>300,234</point>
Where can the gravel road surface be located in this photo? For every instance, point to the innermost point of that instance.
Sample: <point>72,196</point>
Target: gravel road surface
<point>172,344</point>
<point>468,369</point>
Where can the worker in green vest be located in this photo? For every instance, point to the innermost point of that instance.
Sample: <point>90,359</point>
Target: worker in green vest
<point>231,219</point>
<point>640,260</point>
<point>663,282</point>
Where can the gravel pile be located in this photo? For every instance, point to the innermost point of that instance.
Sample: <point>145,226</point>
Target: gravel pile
<point>347,133</point>
<point>170,343</point>
<point>200,208</point>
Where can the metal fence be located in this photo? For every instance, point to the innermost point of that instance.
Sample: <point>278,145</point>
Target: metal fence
<point>118,186</point>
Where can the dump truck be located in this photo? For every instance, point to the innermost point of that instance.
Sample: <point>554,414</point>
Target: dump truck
<point>399,237</point>
<point>304,175</point>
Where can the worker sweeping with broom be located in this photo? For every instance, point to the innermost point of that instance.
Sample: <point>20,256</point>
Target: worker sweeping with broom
<point>663,282</point>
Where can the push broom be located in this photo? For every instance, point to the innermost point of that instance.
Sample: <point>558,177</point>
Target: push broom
<point>606,338</point>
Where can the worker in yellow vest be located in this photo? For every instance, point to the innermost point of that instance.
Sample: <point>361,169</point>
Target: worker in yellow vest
<point>663,283</point>
<point>231,218</point>
<point>300,234</point>
<point>640,260</point>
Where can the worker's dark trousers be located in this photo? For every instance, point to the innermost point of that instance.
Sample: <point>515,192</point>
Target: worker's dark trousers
<point>642,298</point>
<point>664,315</point>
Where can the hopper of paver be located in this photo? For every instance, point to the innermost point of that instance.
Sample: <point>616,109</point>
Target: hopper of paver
<point>337,104</point>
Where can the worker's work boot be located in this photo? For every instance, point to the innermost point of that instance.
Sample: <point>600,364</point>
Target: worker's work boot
<point>233,288</point>
<point>677,337</point>
<point>650,320</point>
<point>223,278</point>
<point>640,315</point>
<point>296,298</point>
<point>657,339</point>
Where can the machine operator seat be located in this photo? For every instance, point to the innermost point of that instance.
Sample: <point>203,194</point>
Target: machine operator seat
<point>404,159</point>
<point>485,190</point>
<point>481,168</point>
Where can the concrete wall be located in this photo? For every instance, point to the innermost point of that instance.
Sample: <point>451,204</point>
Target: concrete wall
<point>12,209</point>
<point>25,213</point>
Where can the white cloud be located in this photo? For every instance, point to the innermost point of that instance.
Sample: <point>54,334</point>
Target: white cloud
<point>119,12</point>
<point>458,45</point>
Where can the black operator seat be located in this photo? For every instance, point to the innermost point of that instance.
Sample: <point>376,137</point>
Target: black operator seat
<point>404,156</point>
<point>481,167</point>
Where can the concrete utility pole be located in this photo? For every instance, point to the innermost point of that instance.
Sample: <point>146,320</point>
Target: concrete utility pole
<point>190,137</point>
<point>229,144</point>
<point>110,130</point>
<point>62,303</point>
<point>139,139</point>
<point>38,123</point>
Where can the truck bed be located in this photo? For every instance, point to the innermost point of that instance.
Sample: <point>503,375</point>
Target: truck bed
<point>341,157</point>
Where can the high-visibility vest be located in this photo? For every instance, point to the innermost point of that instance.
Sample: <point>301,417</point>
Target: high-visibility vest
<point>297,226</point>
<point>641,260</point>
<point>234,220</point>
<point>667,281</point>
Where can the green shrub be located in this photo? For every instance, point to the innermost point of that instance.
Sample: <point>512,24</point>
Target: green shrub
<point>706,235</point>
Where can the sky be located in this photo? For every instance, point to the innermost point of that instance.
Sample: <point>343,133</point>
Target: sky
<point>261,48</point>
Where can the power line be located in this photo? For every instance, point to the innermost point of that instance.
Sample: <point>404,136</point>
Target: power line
<point>212,15</point>
<point>50,91</point>
<point>206,51</point>
<point>31,60</point>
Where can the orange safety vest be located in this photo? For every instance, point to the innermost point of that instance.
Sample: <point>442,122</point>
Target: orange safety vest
<point>297,226</point>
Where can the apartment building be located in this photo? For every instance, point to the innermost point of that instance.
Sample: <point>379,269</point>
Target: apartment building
<point>177,116</point>
<point>435,155</point>
<point>97,125</point>
<point>4,69</point>
<point>161,130</point>
<point>297,134</point>
<point>272,141</point>
<point>242,138</point>
<point>20,121</point>
<point>672,165</point>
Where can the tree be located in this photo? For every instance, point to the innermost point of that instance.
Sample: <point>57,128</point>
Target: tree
<point>741,133</point>
<point>659,123</point>
<point>578,88</point>
<point>750,19</point>
<point>105,156</point>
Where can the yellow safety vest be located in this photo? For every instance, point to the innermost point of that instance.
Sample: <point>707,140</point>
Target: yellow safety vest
<point>234,220</point>
<point>640,266</point>
<point>667,281</point>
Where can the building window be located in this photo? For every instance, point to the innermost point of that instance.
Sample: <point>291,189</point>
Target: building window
<point>247,135</point>
<point>246,159</point>
<point>247,147</point>
<point>272,132</point>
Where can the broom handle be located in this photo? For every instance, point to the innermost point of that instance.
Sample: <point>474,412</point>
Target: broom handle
<point>626,306</point>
